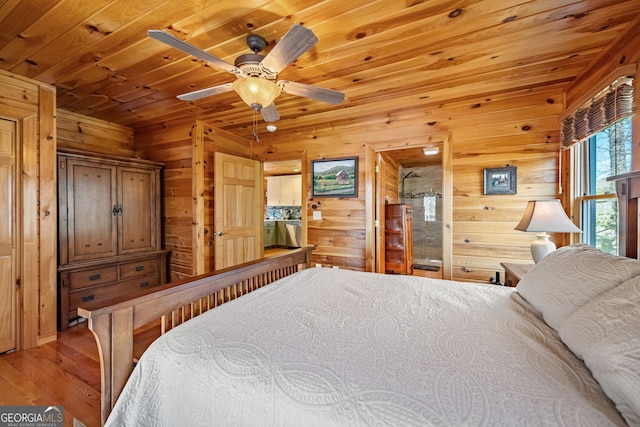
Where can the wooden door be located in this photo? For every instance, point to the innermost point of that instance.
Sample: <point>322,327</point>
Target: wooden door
<point>137,220</point>
<point>238,210</point>
<point>8,286</point>
<point>91,210</point>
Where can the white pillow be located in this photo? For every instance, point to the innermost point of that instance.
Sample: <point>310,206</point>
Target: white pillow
<point>568,278</point>
<point>605,333</point>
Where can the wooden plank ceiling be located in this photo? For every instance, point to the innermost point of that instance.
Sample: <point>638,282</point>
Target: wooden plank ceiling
<point>387,56</point>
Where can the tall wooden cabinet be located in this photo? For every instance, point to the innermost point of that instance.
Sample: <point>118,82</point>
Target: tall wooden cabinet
<point>398,243</point>
<point>109,229</point>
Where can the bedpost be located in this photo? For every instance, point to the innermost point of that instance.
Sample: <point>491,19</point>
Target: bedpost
<point>307,258</point>
<point>114,335</point>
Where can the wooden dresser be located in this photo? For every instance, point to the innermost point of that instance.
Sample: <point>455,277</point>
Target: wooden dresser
<point>398,240</point>
<point>108,229</point>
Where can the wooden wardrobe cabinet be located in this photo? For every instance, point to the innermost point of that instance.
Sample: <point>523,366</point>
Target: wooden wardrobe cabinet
<point>109,229</point>
<point>398,246</point>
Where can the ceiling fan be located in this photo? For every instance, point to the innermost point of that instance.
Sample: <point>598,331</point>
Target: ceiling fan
<point>257,75</point>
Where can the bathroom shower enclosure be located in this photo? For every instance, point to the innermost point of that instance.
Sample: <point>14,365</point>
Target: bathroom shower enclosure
<point>421,188</point>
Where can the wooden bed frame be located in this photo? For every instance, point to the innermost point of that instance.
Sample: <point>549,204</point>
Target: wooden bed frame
<point>113,324</point>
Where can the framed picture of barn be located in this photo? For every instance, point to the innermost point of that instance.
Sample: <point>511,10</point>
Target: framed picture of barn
<point>335,177</point>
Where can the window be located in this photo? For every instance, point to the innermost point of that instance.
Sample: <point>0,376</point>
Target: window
<point>604,154</point>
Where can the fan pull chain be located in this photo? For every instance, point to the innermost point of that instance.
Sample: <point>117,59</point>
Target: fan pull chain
<point>255,125</point>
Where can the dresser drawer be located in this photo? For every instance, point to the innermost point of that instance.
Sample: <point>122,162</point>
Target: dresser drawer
<point>92,277</point>
<point>104,293</point>
<point>139,268</point>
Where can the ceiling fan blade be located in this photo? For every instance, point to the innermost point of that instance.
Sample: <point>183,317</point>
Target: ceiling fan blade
<point>313,92</point>
<point>172,41</point>
<point>270,113</point>
<point>203,93</point>
<point>296,42</point>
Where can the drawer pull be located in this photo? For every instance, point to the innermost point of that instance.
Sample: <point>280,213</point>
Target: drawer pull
<point>140,268</point>
<point>87,298</point>
<point>144,284</point>
<point>95,277</point>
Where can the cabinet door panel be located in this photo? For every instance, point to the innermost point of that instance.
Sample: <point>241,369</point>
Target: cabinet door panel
<point>92,225</point>
<point>137,222</point>
<point>273,191</point>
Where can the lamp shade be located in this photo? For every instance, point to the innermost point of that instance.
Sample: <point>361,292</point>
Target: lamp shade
<point>256,92</point>
<point>545,216</point>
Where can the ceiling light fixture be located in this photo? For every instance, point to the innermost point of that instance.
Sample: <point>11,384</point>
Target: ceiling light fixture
<point>256,92</point>
<point>272,128</point>
<point>430,151</point>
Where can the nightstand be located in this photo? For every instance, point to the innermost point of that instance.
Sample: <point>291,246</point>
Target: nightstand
<point>514,272</point>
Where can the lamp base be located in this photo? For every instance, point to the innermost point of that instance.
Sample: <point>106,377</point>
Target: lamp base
<point>541,247</point>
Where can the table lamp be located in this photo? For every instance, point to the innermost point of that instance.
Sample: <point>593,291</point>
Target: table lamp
<point>545,216</point>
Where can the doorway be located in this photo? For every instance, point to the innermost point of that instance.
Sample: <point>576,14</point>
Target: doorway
<point>284,207</point>
<point>420,179</point>
<point>9,252</point>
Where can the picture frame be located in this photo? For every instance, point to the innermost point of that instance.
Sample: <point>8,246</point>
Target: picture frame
<point>334,177</point>
<point>500,180</point>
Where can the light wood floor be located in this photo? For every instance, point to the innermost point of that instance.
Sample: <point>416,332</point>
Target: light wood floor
<point>64,373</point>
<point>275,251</point>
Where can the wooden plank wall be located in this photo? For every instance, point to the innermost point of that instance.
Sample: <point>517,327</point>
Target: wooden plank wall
<point>512,128</point>
<point>388,176</point>
<point>518,128</point>
<point>172,145</point>
<point>215,141</point>
<point>93,135</point>
<point>390,169</point>
<point>32,106</point>
<point>187,149</point>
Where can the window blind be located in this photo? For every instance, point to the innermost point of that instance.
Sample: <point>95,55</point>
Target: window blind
<point>609,106</point>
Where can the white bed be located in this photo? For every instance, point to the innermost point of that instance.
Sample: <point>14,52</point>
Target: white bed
<point>329,347</point>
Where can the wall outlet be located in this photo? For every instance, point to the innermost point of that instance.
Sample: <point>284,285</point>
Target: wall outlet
<point>335,266</point>
<point>318,265</point>
<point>317,215</point>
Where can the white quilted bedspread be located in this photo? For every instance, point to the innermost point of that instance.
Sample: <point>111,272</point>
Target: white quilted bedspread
<point>331,347</point>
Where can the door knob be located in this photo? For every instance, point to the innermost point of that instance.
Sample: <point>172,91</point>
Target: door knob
<point>218,233</point>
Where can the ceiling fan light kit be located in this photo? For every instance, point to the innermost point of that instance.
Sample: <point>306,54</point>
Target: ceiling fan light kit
<point>256,74</point>
<point>256,92</point>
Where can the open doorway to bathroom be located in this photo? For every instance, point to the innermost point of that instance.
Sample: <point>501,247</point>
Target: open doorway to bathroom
<point>412,178</point>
